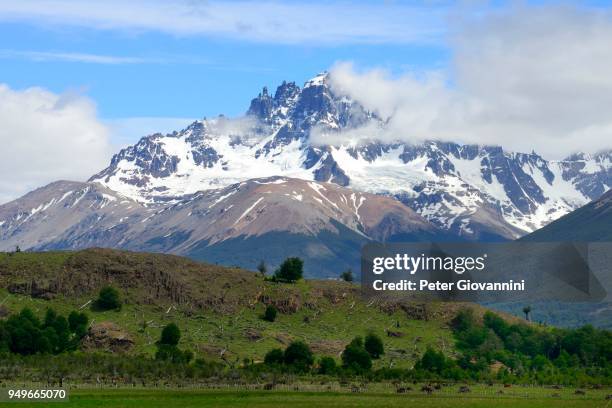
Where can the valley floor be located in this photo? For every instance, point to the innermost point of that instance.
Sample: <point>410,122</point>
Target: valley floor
<point>378,395</point>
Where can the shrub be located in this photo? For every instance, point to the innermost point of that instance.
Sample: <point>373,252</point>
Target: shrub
<point>347,275</point>
<point>167,352</point>
<point>291,270</point>
<point>170,335</point>
<point>270,313</point>
<point>108,299</point>
<point>433,361</point>
<point>299,356</point>
<point>327,365</point>
<point>274,357</point>
<point>262,268</point>
<point>463,321</point>
<point>355,356</point>
<point>167,346</point>
<point>374,345</point>
<point>78,323</point>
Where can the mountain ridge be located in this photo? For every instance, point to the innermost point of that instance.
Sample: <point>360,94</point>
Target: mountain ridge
<point>590,223</point>
<point>310,219</point>
<point>446,182</point>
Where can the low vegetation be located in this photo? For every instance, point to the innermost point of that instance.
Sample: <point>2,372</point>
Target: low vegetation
<point>270,313</point>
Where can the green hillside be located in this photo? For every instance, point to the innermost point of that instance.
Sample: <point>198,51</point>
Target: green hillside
<point>219,309</point>
<point>177,322</point>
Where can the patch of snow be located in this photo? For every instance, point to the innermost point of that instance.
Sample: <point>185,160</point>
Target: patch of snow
<point>316,81</point>
<point>317,187</point>
<point>223,197</point>
<point>78,200</point>
<point>387,174</point>
<point>248,210</point>
<point>277,181</point>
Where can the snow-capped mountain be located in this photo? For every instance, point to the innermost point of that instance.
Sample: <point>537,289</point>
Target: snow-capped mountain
<point>477,192</point>
<point>240,224</point>
<point>590,223</point>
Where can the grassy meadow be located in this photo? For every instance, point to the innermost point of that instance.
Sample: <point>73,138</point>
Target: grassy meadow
<point>377,395</point>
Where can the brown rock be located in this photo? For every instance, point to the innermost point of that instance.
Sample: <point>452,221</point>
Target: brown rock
<point>252,334</point>
<point>394,333</point>
<point>107,336</point>
<point>33,289</point>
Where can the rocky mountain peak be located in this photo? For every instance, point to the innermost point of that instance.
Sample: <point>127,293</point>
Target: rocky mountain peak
<point>474,191</point>
<point>319,80</point>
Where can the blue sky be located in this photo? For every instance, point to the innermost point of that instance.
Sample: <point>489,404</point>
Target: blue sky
<point>173,76</point>
<point>190,58</point>
<point>137,69</point>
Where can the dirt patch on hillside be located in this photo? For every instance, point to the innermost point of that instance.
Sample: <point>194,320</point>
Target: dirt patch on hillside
<point>327,347</point>
<point>107,336</point>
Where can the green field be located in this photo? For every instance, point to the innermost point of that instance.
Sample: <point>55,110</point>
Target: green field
<point>480,396</point>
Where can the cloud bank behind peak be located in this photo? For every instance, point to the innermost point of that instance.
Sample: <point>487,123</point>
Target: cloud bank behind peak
<point>526,78</point>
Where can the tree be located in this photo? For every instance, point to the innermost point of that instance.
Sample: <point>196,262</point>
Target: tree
<point>347,275</point>
<point>27,314</point>
<point>167,346</point>
<point>432,361</point>
<point>25,334</point>
<point>298,355</point>
<point>463,321</point>
<point>291,270</point>
<point>270,313</point>
<point>50,317</point>
<point>108,299</point>
<point>374,346</point>
<point>262,268</point>
<point>356,357</point>
<point>78,323</point>
<point>274,357</point>
<point>527,310</point>
<point>327,365</point>
<point>17,249</point>
<point>173,354</point>
<point>62,330</point>
<point>170,335</point>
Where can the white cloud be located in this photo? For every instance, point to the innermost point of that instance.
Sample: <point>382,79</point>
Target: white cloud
<point>268,21</point>
<point>525,78</point>
<point>127,131</point>
<point>44,56</point>
<point>46,137</point>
